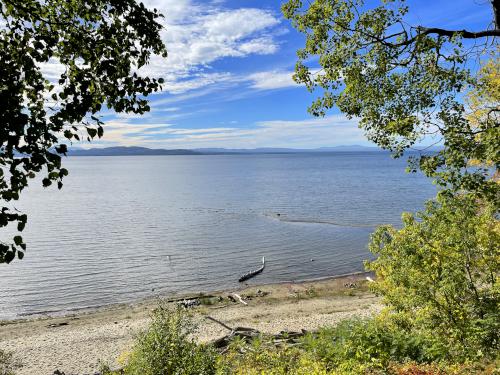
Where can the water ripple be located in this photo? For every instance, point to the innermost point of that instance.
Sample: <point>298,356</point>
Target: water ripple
<point>127,228</point>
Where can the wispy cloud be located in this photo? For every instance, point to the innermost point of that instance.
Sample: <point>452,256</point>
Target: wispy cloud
<point>273,79</point>
<point>197,81</point>
<point>313,132</point>
<point>197,36</point>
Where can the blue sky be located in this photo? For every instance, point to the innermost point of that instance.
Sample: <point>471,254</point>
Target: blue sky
<point>228,78</point>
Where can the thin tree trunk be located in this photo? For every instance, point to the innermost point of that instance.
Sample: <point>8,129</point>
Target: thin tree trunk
<point>496,12</point>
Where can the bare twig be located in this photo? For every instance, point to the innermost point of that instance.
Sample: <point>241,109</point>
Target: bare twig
<point>219,322</point>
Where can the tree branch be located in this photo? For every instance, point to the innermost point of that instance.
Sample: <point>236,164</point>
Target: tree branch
<point>385,40</point>
<point>465,34</point>
<point>495,4</point>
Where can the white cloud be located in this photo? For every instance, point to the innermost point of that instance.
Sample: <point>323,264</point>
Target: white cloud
<point>123,133</point>
<point>52,69</point>
<point>272,80</point>
<point>308,133</point>
<point>234,25</point>
<point>275,79</point>
<point>197,81</point>
<point>261,46</point>
<point>197,36</point>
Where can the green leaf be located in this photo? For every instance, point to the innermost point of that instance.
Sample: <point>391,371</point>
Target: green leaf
<point>62,149</point>
<point>9,256</point>
<point>20,226</point>
<point>18,240</point>
<point>92,132</point>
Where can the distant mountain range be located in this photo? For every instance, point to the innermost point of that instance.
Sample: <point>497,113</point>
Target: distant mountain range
<point>127,151</point>
<point>277,150</point>
<point>131,151</point>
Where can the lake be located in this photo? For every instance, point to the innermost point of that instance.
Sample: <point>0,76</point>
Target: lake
<point>127,228</point>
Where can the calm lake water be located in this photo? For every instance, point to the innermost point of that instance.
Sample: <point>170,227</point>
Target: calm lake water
<point>127,228</point>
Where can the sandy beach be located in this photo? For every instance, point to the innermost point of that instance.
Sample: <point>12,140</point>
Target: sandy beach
<point>77,343</point>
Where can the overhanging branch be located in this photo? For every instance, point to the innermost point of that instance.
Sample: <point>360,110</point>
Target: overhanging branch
<point>464,33</point>
<point>422,31</point>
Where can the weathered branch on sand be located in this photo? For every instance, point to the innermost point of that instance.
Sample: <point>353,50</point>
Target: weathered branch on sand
<point>240,299</point>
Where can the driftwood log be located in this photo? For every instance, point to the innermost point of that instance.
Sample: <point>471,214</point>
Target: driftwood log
<point>248,334</point>
<point>253,273</point>
<point>240,299</point>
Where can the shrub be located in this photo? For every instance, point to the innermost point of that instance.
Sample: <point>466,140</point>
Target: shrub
<point>260,358</point>
<point>356,346</point>
<point>373,346</point>
<point>166,347</point>
<point>352,347</point>
<point>440,273</point>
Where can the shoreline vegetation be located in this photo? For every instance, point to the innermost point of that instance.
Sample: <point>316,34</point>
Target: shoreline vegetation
<point>82,341</point>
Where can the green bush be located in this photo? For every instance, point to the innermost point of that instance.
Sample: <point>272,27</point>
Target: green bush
<point>355,346</point>
<point>166,347</point>
<point>440,273</point>
<point>371,346</point>
<point>259,358</point>
<point>378,345</point>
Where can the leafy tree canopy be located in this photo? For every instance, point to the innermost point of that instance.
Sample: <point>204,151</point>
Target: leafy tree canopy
<point>405,84</point>
<point>438,274</point>
<point>99,43</point>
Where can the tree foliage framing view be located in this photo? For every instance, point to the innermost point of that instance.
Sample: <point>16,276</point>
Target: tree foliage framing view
<point>405,84</point>
<point>99,44</point>
<point>439,275</point>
